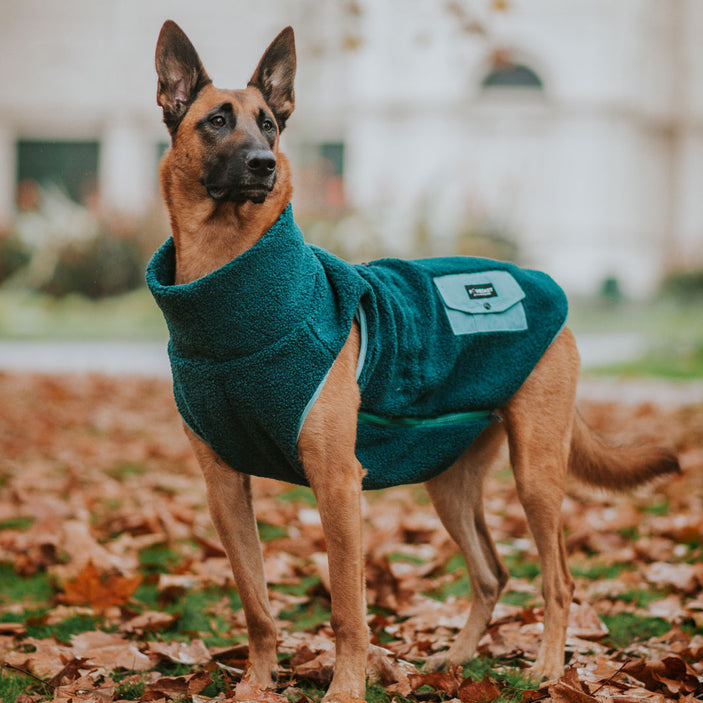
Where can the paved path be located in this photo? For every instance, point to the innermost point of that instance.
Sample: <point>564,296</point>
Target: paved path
<point>150,359</point>
<point>114,358</point>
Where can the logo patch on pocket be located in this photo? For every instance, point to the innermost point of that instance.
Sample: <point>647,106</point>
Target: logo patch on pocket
<point>481,291</point>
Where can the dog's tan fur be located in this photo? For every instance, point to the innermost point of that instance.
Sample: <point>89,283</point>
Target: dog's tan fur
<point>544,435</point>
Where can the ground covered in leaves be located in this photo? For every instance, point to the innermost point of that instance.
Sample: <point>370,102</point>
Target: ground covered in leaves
<point>114,587</point>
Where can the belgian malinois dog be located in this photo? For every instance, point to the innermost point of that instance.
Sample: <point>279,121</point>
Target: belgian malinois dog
<point>226,184</point>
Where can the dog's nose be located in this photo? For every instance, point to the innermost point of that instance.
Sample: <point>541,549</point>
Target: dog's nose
<point>261,162</point>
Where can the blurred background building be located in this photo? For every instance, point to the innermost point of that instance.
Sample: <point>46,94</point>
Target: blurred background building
<point>567,134</point>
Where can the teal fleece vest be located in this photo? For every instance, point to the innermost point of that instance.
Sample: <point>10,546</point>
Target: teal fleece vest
<point>444,342</point>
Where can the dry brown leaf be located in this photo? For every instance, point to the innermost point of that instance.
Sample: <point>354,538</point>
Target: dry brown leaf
<point>178,686</point>
<point>585,623</point>
<point>47,659</point>
<point>247,692</point>
<point>99,591</point>
<point>110,651</point>
<point>483,691</point>
<point>446,681</point>
<point>149,621</point>
<point>194,652</point>
<point>686,578</point>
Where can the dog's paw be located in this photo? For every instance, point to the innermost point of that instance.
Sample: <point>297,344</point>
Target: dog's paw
<point>437,662</point>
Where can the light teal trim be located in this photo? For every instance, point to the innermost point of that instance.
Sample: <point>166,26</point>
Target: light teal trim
<point>451,419</point>
<point>363,340</point>
<point>311,402</point>
<point>360,317</point>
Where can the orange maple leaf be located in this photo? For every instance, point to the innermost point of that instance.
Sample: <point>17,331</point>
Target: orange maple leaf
<point>99,591</point>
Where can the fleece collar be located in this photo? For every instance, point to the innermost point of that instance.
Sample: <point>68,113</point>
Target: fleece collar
<point>244,306</point>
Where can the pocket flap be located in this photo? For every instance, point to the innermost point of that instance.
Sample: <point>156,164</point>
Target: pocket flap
<point>479,293</point>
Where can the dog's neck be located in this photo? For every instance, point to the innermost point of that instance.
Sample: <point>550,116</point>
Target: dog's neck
<point>208,235</point>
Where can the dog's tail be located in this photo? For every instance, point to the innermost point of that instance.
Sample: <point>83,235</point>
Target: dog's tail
<point>616,468</point>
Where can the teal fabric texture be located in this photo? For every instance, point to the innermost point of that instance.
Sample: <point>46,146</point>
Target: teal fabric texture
<point>445,342</point>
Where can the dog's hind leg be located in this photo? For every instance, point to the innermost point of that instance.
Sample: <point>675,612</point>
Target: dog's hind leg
<point>539,424</point>
<point>457,495</point>
<point>230,503</point>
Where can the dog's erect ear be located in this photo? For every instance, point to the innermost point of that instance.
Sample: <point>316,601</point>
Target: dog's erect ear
<point>275,74</point>
<point>181,74</point>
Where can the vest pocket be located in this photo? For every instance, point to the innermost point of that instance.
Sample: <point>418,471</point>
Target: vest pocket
<point>489,301</point>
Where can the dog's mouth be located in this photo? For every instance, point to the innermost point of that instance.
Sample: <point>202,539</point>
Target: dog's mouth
<point>253,193</point>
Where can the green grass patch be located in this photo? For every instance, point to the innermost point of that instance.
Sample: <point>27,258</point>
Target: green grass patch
<point>13,683</point>
<point>626,628</point>
<point>307,616</point>
<point>640,597</point>
<point>520,598</point>
<point>671,330</point>
<point>521,566</point>
<point>269,532</point>
<point>35,622</point>
<point>19,523</point>
<point>597,572</point>
<point>126,470</point>
<point>454,564</point>
<point>159,558</point>
<point>405,558</point>
<point>194,613</point>
<point>306,586</point>
<point>194,616</point>
<point>133,316</point>
<point>24,589</point>
<point>64,630</point>
<point>660,508</point>
<point>296,494</point>
<point>513,682</point>
<point>130,690</point>
<point>456,588</point>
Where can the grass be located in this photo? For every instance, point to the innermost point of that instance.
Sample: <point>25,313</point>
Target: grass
<point>28,590</point>
<point>14,683</point>
<point>33,316</point>
<point>626,628</point>
<point>672,331</point>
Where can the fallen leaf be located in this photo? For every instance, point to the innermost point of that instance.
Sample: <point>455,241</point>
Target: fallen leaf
<point>482,691</point>
<point>247,692</point>
<point>110,651</point>
<point>99,591</point>
<point>194,652</point>
<point>446,681</point>
<point>149,621</point>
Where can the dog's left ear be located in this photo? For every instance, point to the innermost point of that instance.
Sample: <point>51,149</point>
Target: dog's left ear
<point>181,74</point>
<point>275,74</point>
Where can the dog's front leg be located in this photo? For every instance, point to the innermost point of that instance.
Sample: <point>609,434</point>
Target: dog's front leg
<point>232,513</point>
<point>326,448</point>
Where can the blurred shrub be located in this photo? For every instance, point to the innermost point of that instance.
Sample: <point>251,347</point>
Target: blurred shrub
<point>98,268</point>
<point>685,286</point>
<point>13,256</point>
<point>60,247</point>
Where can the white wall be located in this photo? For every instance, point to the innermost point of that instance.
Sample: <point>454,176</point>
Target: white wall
<point>600,175</point>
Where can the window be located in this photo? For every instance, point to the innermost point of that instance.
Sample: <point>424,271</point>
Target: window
<point>73,166</point>
<point>333,153</point>
<point>510,75</point>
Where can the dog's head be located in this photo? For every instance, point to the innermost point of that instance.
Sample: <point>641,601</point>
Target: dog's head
<point>227,139</point>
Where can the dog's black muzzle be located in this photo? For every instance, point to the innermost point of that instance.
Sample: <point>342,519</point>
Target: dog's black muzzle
<point>250,175</point>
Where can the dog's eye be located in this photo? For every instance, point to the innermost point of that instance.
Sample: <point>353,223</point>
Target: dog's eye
<point>217,121</point>
<point>267,125</point>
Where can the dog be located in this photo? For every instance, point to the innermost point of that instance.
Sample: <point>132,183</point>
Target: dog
<point>227,188</point>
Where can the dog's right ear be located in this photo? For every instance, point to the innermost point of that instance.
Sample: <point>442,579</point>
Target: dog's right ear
<point>275,74</point>
<point>181,74</point>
